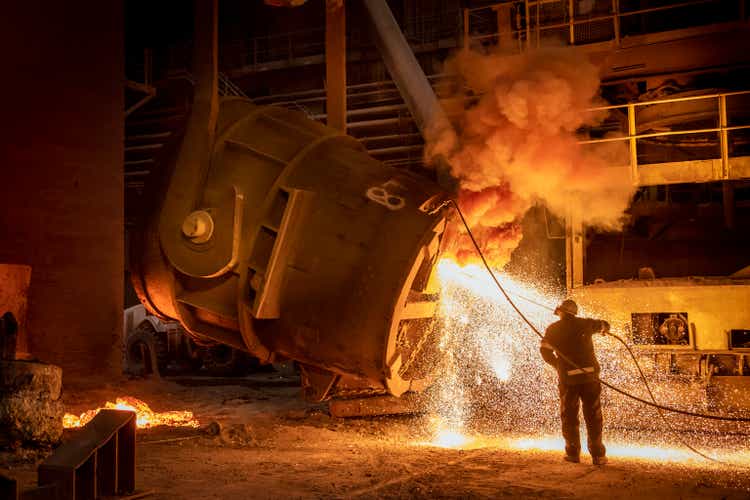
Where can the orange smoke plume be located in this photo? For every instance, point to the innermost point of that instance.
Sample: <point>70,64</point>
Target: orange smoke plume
<point>517,146</point>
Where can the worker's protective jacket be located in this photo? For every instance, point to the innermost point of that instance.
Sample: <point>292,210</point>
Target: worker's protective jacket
<point>571,337</point>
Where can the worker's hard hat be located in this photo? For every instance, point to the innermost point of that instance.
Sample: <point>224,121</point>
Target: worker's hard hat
<point>567,306</point>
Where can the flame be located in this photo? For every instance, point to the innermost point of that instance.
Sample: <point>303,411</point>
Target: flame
<point>501,365</point>
<point>145,416</point>
<point>449,439</point>
<point>448,434</point>
<point>621,450</point>
<point>474,278</point>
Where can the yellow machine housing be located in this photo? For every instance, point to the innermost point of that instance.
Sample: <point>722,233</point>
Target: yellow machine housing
<point>697,328</point>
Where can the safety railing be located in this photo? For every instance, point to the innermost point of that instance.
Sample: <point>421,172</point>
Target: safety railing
<point>514,25</point>
<point>286,47</point>
<point>228,88</point>
<point>146,87</point>
<point>531,23</point>
<point>421,30</point>
<point>730,113</point>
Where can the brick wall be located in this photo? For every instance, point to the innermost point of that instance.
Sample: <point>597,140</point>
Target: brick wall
<point>61,190</point>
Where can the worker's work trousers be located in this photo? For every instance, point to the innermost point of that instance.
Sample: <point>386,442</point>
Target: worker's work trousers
<point>588,394</point>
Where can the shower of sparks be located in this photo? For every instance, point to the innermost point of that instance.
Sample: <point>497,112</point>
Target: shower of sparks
<point>450,439</point>
<point>622,450</point>
<point>615,448</point>
<point>145,416</point>
<point>493,381</point>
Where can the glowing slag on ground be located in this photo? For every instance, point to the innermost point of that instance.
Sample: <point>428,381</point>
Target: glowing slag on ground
<point>450,439</point>
<point>145,416</point>
<point>493,383</point>
<point>614,449</point>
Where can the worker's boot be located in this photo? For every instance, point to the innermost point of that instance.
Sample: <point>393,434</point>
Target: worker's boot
<point>599,460</point>
<point>572,458</point>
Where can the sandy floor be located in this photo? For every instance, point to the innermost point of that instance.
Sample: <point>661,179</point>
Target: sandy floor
<point>273,445</point>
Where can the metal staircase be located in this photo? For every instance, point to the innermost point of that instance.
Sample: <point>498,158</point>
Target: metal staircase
<point>152,130</point>
<point>376,115</point>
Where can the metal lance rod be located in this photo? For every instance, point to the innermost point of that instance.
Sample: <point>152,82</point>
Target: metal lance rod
<point>406,72</point>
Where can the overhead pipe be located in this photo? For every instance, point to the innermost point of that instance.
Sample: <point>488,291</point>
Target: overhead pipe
<point>406,72</point>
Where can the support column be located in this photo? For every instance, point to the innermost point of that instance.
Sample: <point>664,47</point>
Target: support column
<point>616,21</point>
<point>633,145</point>
<point>727,191</point>
<point>574,250</point>
<point>504,25</point>
<point>571,22</point>
<point>336,64</point>
<point>61,197</point>
<point>466,38</point>
<point>528,25</point>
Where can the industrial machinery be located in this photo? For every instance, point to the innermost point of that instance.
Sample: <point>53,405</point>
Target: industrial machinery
<point>155,347</point>
<point>288,240</point>
<point>692,328</point>
<point>696,328</point>
<point>688,138</point>
<point>279,236</point>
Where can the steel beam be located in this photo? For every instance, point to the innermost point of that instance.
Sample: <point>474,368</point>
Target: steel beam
<point>727,191</point>
<point>336,65</point>
<point>378,405</point>
<point>574,250</point>
<point>98,461</point>
<point>406,71</point>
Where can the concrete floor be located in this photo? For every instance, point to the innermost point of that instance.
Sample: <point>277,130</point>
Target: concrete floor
<point>274,445</point>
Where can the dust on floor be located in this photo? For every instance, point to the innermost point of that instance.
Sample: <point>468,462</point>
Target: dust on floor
<point>266,442</point>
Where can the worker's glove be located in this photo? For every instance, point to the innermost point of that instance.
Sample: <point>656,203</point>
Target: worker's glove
<point>605,328</point>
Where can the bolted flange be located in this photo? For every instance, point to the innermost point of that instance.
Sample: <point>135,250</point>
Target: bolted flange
<point>198,227</point>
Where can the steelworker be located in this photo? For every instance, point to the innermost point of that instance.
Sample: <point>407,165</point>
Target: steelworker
<point>570,338</point>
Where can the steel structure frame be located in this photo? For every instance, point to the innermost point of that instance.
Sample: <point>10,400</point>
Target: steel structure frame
<point>527,32</point>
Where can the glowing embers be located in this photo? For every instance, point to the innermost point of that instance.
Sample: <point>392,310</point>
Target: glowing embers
<point>500,363</point>
<point>614,449</point>
<point>619,447</point>
<point>448,434</point>
<point>145,416</point>
<point>447,438</point>
<point>484,348</point>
